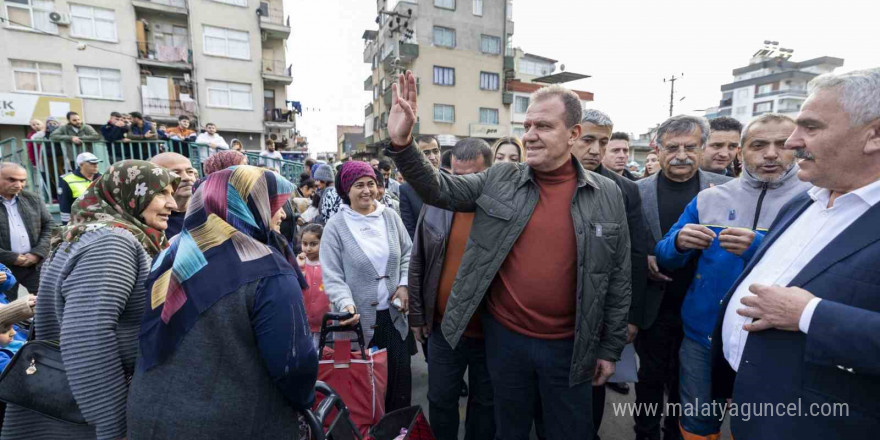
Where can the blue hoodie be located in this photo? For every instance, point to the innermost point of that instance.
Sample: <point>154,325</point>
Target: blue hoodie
<point>744,202</point>
<point>7,352</point>
<point>20,334</point>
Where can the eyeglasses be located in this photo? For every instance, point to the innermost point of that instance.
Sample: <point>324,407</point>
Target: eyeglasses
<point>672,149</point>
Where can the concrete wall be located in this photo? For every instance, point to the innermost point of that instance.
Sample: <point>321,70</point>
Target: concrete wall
<point>33,46</point>
<point>208,67</point>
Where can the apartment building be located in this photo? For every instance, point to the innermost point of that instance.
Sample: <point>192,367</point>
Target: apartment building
<point>529,73</point>
<point>771,82</point>
<point>220,61</point>
<point>456,48</point>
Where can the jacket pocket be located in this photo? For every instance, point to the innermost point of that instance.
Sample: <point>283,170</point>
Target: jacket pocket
<point>603,242</point>
<point>495,208</point>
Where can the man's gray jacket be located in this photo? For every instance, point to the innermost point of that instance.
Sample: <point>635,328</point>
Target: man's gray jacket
<point>503,198</point>
<point>37,221</point>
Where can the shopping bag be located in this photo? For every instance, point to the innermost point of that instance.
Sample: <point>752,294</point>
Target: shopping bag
<point>409,422</point>
<point>360,378</point>
<point>627,370</point>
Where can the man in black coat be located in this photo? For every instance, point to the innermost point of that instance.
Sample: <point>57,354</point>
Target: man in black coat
<point>596,130</point>
<point>25,226</point>
<point>410,202</point>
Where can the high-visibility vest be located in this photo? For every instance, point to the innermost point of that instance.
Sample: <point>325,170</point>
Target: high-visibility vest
<point>78,184</point>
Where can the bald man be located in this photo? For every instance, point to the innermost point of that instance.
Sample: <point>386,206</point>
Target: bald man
<point>25,226</point>
<point>180,165</point>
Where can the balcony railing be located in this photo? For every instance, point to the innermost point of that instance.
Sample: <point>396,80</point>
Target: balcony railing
<point>726,102</point>
<point>279,115</point>
<point>368,109</point>
<point>169,107</point>
<point>174,3</point>
<point>276,67</point>
<point>161,53</point>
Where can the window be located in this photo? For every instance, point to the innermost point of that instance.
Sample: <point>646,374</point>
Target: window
<point>520,104</point>
<point>445,4</point>
<point>92,23</point>
<point>764,88</point>
<point>478,7</point>
<point>490,44</point>
<point>25,14</point>
<point>489,116</point>
<point>488,81</point>
<point>233,2</point>
<point>176,36</point>
<point>763,107</point>
<point>32,76</point>
<point>444,37</point>
<point>530,67</point>
<point>444,76</point>
<point>741,110</point>
<point>518,131</point>
<point>444,113</point>
<point>509,10</point>
<point>375,61</point>
<point>227,43</point>
<point>229,95</point>
<point>99,83</point>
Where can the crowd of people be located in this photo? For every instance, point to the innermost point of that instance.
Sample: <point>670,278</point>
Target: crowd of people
<point>741,266</point>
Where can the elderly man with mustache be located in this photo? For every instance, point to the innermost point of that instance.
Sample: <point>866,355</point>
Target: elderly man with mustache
<point>680,144</point>
<point>181,166</point>
<point>722,228</point>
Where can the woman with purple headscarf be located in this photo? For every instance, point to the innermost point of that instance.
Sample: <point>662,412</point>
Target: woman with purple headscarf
<point>365,259</point>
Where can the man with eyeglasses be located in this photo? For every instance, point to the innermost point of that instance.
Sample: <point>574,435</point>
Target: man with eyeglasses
<point>410,202</point>
<point>680,143</point>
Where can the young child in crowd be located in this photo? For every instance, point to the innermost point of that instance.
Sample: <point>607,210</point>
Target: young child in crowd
<point>12,337</point>
<point>317,303</point>
<point>9,344</point>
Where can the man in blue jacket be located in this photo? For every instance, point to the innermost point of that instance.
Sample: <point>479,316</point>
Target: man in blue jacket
<point>722,227</point>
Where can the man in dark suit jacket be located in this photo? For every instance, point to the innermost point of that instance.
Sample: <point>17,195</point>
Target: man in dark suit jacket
<point>596,128</point>
<point>410,202</point>
<point>811,350</point>
<point>665,195</point>
<point>25,226</point>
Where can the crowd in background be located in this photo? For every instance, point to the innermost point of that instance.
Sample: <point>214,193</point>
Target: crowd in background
<point>188,303</point>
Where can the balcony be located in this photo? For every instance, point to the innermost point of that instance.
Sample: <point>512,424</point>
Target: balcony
<point>279,118</point>
<point>508,63</point>
<point>272,20</point>
<point>408,53</point>
<point>368,110</point>
<point>726,102</point>
<point>368,84</point>
<point>164,7</point>
<point>275,72</point>
<point>800,93</point>
<point>168,109</point>
<point>507,98</point>
<point>160,55</point>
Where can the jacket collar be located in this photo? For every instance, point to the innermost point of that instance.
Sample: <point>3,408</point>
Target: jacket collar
<point>583,177</point>
<point>752,181</point>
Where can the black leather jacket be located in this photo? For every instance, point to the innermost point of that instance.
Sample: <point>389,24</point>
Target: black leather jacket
<point>426,263</point>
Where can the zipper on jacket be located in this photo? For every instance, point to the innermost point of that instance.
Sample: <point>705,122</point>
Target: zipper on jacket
<point>760,202</point>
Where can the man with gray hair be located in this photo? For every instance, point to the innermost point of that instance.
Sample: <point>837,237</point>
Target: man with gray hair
<point>680,142</point>
<point>438,246</point>
<point>721,228</point>
<point>802,323</point>
<point>25,226</point>
<point>547,263</point>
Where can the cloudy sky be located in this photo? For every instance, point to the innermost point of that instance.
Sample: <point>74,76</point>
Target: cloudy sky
<point>627,46</point>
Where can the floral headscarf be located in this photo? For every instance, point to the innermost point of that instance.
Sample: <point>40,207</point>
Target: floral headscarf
<point>222,160</point>
<point>117,199</point>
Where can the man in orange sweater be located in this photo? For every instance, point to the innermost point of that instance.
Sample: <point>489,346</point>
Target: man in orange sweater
<point>548,258</point>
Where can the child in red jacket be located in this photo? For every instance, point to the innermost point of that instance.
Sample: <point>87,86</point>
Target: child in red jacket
<point>317,303</point>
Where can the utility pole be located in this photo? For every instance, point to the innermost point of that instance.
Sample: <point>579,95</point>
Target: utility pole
<point>672,81</point>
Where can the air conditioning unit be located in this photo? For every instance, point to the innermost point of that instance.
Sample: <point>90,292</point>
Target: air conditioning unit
<point>59,18</point>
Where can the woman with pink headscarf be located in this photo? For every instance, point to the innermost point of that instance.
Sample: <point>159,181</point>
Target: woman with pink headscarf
<point>365,259</point>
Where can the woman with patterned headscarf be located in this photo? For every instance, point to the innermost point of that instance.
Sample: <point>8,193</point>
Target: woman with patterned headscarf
<point>365,259</point>
<point>92,297</point>
<point>225,346</point>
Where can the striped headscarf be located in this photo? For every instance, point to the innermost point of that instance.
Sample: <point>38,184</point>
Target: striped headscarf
<point>223,246</point>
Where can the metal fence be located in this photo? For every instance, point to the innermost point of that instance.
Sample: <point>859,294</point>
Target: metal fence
<point>46,160</point>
